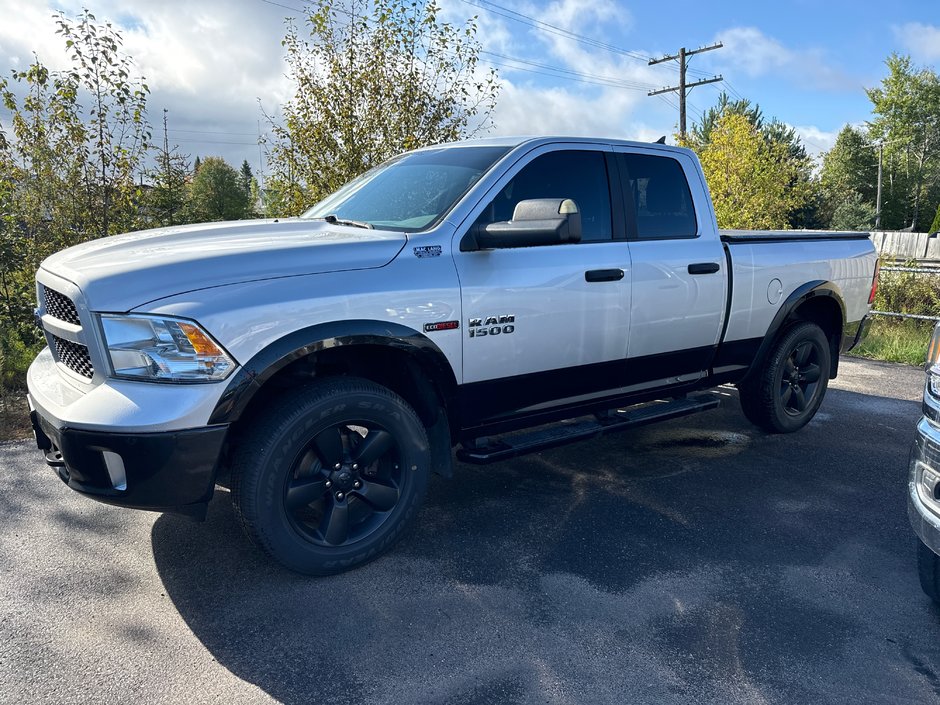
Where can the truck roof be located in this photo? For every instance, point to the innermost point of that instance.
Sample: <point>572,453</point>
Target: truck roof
<point>534,141</point>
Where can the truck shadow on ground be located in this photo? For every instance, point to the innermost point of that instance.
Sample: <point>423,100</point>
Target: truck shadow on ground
<point>698,558</point>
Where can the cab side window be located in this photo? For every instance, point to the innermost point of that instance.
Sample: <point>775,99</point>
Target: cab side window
<point>578,175</point>
<point>661,197</point>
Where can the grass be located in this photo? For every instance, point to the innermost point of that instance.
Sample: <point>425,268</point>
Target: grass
<point>895,340</point>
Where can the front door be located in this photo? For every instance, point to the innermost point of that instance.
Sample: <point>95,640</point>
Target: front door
<point>545,325</point>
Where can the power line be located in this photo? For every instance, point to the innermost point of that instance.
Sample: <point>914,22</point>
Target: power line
<point>683,88</point>
<point>213,132</point>
<point>550,28</point>
<point>286,7</point>
<point>604,80</point>
<point>195,141</point>
<point>547,70</point>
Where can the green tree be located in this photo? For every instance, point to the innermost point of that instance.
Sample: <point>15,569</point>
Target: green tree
<point>789,147</point>
<point>849,174</point>
<point>935,226</point>
<point>43,182</point>
<point>164,204</point>
<point>906,120</point>
<point>246,176</point>
<point>372,78</point>
<point>118,132</point>
<point>750,177</point>
<point>853,213</point>
<point>216,193</point>
<point>700,134</point>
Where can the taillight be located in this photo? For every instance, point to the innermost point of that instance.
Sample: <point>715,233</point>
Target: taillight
<point>874,283</point>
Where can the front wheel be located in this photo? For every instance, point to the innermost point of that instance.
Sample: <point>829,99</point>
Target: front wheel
<point>791,382</point>
<point>331,475</point>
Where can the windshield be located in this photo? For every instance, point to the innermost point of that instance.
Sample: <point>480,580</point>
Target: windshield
<point>410,192</point>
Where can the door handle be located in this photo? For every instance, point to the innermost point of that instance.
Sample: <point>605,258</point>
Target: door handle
<point>603,275</point>
<point>704,268</point>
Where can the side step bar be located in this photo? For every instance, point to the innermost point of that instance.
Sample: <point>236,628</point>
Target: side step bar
<point>491,450</point>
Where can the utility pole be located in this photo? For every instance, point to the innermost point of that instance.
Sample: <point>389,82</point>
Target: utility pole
<point>683,88</point>
<point>881,149</point>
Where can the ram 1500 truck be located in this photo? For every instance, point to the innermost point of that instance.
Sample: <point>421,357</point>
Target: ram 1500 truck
<point>501,295</point>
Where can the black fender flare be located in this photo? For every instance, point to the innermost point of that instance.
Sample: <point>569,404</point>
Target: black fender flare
<point>797,298</point>
<point>252,375</point>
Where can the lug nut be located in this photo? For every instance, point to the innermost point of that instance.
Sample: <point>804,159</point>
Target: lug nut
<point>339,496</point>
<point>357,484</point>
<point>355,466</point>
<point>329,484</point>
<point>337,466</point>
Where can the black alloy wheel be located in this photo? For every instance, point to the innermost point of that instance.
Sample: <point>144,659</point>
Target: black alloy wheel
<point>783,394</point>
<point>329,475</point>
<point>800,377</point>
<point>344,484</point>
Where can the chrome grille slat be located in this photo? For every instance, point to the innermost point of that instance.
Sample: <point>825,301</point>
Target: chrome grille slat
<point>74,356</point>
<point>931,452</point>
<point>60,306</point>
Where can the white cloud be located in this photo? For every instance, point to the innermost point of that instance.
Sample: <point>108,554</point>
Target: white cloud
<point>922,41</point>
<point>539,104</point>
<point>816,141</point>
<point>528,110</point>
<point>584,16</point>
<point>748,51</point>
<point>208,63</point>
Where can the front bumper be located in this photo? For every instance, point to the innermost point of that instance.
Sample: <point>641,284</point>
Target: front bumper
<point>133,444</point>
<point>923,496</point>
<point>169,471</point>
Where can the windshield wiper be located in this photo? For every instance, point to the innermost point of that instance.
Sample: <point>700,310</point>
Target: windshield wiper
<point>333,220</point>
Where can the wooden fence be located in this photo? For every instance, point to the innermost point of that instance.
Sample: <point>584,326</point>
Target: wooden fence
<point>905,246</point>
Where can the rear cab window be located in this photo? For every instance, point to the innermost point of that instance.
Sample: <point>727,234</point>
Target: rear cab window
<point>657,189</point>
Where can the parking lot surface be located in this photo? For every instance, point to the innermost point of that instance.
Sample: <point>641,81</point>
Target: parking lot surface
<point>698,561</point>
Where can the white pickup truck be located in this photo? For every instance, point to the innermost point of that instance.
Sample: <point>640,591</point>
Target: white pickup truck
<point>501,295</point>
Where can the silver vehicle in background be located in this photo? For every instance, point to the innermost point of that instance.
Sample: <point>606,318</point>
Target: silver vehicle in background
<point>923,496</point>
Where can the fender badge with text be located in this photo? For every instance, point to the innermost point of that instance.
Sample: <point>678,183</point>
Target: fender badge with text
<point>442,325</point>
<point>492,325</point>
<point>427,251</point>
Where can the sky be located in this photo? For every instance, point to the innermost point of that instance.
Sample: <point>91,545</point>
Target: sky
<point>215,64</point>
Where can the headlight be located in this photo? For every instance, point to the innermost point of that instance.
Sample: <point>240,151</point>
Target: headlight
<point>933,376</point>
<point>933,350</point>
<point>161,349</point>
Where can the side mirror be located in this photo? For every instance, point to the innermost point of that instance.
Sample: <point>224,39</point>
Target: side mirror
<point>538,221</point>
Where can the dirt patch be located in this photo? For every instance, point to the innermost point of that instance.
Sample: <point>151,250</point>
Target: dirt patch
<point>701,443</point>
<point>14,417</point>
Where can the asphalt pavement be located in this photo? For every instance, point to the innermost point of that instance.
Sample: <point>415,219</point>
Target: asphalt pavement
<point>697,561</point>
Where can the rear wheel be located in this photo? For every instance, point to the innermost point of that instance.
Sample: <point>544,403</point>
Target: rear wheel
<point>331,476</point>
<point>791,382</point>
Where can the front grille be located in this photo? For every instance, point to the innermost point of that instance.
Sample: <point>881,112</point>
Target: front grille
<point>74,356</point>
<point>60,306</point>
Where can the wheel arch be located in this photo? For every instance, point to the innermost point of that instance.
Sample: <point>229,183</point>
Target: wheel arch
<point>393,355</point>
<point>817,301</point>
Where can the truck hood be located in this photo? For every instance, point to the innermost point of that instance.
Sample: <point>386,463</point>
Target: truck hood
<point>125,271</point>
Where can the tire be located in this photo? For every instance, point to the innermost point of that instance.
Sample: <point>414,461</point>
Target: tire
<point>331,475</point>
<point>928,569</point>
<point>791,381</point>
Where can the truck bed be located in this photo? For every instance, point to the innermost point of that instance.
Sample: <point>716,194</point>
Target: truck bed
<point>788,235</point>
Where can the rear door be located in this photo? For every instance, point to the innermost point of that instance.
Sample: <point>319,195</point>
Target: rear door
<point>679,281</point>
<point>548,323</point>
